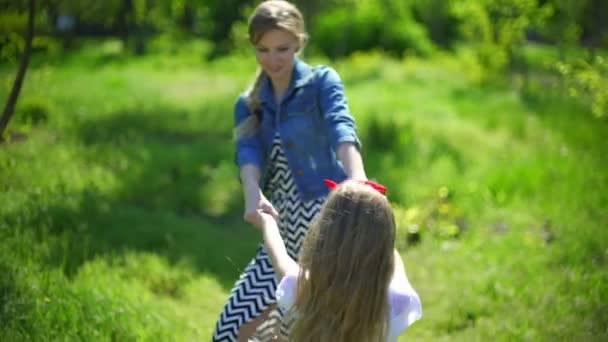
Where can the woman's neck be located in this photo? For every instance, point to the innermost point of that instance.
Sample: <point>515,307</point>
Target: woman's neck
<point>279,87</point>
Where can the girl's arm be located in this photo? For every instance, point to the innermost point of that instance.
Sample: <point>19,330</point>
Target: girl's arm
<point>349,155</point>
<point>281,261</point>
<point>399,271</point>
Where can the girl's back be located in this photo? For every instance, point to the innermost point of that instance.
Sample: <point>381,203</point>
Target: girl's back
<point>404,307</point>
<point>352,286</point>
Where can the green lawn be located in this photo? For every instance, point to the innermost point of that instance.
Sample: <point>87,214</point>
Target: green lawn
<point>120,209</point>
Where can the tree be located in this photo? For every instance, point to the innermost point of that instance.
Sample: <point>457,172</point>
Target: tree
<point>496,30</point>
<point>9,109</point>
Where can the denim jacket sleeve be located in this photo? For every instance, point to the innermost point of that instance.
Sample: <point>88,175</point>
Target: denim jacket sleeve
<point>334,108</point>
<point>248,148</point>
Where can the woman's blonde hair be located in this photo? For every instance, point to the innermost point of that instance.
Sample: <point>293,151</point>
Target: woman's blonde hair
<point>346,266</point>
<point>269,15</point>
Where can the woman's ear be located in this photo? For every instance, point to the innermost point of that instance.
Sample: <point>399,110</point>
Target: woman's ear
<point>301,43</point>
<point>298,51</point>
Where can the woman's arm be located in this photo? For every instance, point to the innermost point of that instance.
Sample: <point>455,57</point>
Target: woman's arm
<point>250,176</point>
<point>349,155</point>
<point>255,201</point>
<point>281,261</point>
<point>340,123</point>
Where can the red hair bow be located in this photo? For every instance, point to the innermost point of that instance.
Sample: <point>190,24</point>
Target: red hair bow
<point>379,187</point>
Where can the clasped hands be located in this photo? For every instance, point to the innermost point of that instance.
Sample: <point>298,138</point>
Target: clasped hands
<point>258,210</point>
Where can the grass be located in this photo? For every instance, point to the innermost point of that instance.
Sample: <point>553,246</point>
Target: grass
<point>120,212</point>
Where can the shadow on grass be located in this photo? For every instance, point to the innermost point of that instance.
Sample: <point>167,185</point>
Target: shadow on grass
<point>176,194</point>
<point>220,247</point>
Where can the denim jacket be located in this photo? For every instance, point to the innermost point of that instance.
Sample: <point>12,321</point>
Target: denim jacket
<point>312,119</point>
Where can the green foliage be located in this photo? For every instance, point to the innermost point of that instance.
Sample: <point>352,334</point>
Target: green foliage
<point>566,71</point>
<point>564,26</point>
<point>438,19</point>
<point>173,44</point>
<point>223,14</point>
<point>588,82</point>
<point>34,112</point>
<point>239,34</point>
<point>496,29</point>
<point>90,11</point>
<point>13,21</point>
<point>10,47</point>
<point>438,217</point>
<point>364,26</point>
<point>13,25</point>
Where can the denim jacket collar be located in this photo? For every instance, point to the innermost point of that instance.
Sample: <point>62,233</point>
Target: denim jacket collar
<point>302,75</point>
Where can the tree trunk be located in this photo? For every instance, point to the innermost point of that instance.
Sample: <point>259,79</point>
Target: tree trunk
<point>140,40</point>
<point>188,19</point>
<point>25,59</point>
<point>124,19</point>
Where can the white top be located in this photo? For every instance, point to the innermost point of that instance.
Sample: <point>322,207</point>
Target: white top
<point>404,303</point>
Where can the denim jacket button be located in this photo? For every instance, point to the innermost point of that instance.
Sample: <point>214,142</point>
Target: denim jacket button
<point>289,143</point>
<point>299,172</point>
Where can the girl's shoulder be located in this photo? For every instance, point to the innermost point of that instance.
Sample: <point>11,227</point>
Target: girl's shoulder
<point>404,302</point>
<point>405,306</point>
<point>401,297</point>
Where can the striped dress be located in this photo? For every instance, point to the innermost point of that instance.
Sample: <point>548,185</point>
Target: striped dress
<point>255,289</point>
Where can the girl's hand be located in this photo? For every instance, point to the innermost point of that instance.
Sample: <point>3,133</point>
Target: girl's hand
<point>267,207</point>
<point>256,204</point>
<point>264,221</point>
<point>267,221</point>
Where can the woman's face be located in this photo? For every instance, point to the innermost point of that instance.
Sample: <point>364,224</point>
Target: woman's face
<point>275,53</point>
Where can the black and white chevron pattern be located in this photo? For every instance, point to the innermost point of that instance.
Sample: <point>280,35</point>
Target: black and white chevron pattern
<point>254,291</point>
<point>252,294</point>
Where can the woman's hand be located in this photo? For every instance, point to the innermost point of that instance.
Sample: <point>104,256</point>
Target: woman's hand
<point>267,221</point>
<point>256,204</point>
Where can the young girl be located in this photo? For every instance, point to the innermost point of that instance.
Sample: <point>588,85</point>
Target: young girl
<point>349,283</point>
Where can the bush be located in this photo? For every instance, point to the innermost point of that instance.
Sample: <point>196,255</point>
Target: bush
<point>342,31</point>
<point>588,82</point>
<point>34,111</point>
<point>496,29</point>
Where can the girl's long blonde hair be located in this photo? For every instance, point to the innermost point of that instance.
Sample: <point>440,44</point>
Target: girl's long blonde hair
<point>269,15</point>
<point>346,266</point>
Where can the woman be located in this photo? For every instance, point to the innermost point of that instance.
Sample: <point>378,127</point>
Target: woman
<point>293,129</point>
